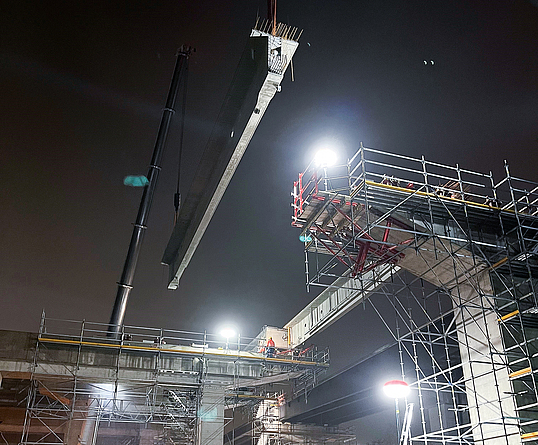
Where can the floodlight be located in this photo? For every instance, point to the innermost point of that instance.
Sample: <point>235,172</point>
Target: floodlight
<point>227,333</point>
<point>396,389</point>
<point>325,157</point>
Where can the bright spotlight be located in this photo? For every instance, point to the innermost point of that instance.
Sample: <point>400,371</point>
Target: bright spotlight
<point>396,389</point>
<point>227,333</point>
<point>325,157</point>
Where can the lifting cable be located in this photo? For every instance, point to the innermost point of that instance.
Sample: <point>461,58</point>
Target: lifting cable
<point>177,195</point>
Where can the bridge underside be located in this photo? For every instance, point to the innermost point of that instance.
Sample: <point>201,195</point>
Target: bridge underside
<point>332,402</point>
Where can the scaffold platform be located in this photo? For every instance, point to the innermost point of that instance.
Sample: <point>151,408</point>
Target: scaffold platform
<point>455,253</point>
<point>78,384</point>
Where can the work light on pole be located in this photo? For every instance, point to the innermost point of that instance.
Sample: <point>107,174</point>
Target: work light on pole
<point>396,389</point>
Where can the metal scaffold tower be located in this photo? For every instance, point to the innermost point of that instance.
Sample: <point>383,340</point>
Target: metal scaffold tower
<point>265,427</point>
<point>148,387</point>
<point>448,258</point>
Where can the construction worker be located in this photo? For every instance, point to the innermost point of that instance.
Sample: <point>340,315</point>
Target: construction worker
<point>270,348</point>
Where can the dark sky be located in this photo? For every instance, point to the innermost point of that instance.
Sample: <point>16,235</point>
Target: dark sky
<point>82,88</point>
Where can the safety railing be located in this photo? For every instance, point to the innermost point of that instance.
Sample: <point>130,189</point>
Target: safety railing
<point>371,167</point>
<point>98,334</point>
<point>136,335</point>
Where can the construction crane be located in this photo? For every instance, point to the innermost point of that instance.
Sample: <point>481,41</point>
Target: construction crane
<point>261,69</point>
<point>126,281</point>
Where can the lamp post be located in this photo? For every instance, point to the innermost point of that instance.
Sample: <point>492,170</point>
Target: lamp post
<point>397,389</point>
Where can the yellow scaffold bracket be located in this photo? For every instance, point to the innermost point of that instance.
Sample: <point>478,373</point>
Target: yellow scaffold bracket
<point>509,316</point>
<point>529,436</point>
<point>499,263</point>
<point>520,373</point>
<point>421,193</point>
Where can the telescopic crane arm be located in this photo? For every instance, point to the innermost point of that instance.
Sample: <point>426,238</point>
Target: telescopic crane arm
<point>126,281</point>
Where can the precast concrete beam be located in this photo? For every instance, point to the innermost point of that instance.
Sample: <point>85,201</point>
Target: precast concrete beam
<point>256,81</point>
<point>336,301</point>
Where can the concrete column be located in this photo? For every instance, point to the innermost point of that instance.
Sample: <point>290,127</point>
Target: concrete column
<point>147,436</point>
<point>88,433</point>
<point>210,429</point>
<point>269,416</point>
<point>74,429</point>
<point>489,393</point>
<point>90,426</point>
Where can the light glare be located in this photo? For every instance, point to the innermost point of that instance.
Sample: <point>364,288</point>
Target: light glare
<point>325,157</point>
<point>227,333</point>
<point>396,389</point>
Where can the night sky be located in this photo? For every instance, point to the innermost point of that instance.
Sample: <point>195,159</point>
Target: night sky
<point>82,89</point>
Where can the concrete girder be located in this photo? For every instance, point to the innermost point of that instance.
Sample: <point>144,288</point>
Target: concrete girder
<point>255,83</point>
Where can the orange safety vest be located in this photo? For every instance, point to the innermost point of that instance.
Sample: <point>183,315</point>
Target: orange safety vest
<point>270,343</point>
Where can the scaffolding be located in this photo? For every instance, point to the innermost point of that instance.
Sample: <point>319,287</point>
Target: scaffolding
<point>265,427</point>
<point>448,258</point>
<point>148,386</point>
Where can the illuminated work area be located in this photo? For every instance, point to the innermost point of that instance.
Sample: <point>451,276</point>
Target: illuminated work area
<point>411,257</point>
